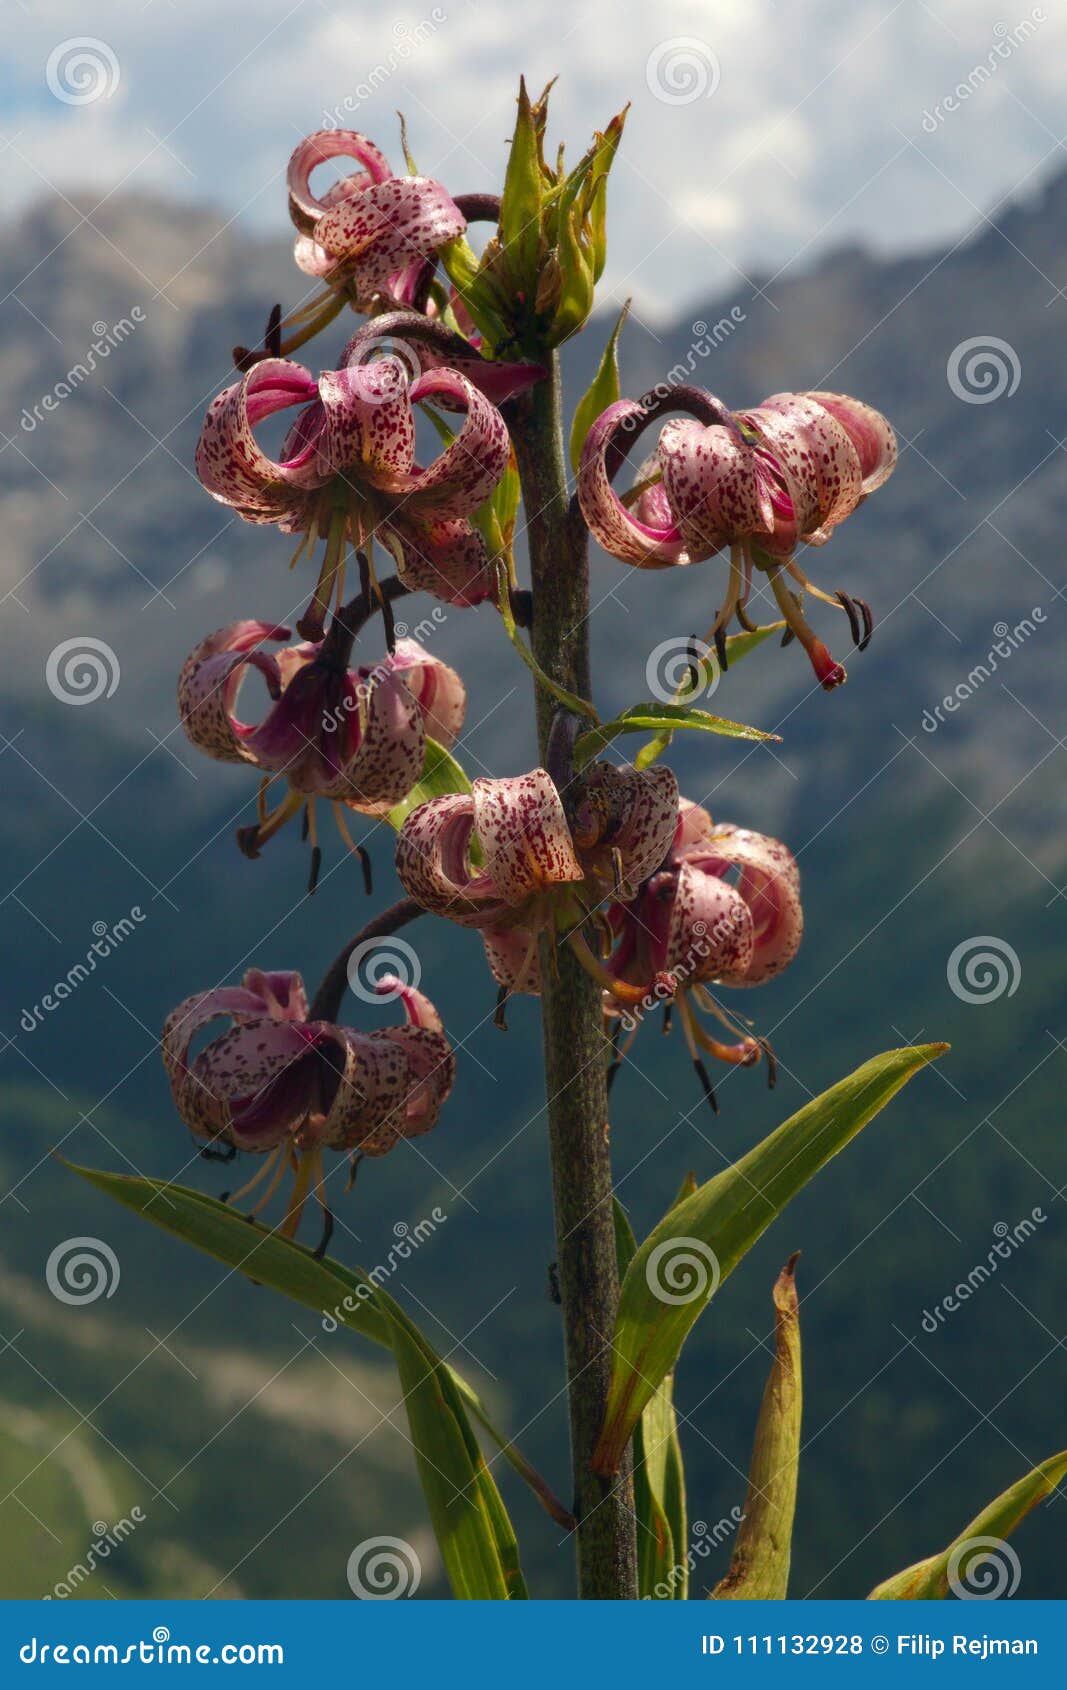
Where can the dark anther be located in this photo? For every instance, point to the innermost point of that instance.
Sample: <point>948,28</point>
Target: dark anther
<point>668,1018</point>
<point>272,340</point>
<point>692,679</point>
<point>521,600</point>
<point>365,864</point>
<point>305,824</point>
<point>720,648</point>
<point>709,1089</point>
<point>316,864</point>
<point>226,1155</point>
<point>849,608</point>
<point>248,840</point>
<point>500,1019</point>
<point>554,1295</point>
<point>787,638</point>
<point>244,359</point>
<point>388,622</point>
<point>868,623</point>
<point>772,1064</point>
<point>327,1234</point>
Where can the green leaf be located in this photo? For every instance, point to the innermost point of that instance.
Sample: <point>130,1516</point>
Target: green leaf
<point>661,717</point>
<point>978,1562</point>
<point>440,774</point>
<point>602,391</point>
<point>332,1290</point>
<point>472,1528</point>
<point>520,203</point>
<point>709,1232</point>
<point>759,1568</point>
<point>707,675</point>
<point>659,1480</point>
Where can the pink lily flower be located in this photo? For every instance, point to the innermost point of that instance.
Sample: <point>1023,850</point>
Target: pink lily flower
<point>347,470</point>
<point>354,737</point>
<point>758,482</point>
<point>509,859</point>
<point>723,909</point>
<point>371,232</point>
<point>280,1085</point>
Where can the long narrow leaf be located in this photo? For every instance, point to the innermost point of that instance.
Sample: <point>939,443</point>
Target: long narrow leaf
<point>978,1563</point>
<point>681,1264</point>
<point>332,1290</point>
<point>659,718</point>
<point>759,1568</point>
<point>707,672</point>
<point>602,391</point>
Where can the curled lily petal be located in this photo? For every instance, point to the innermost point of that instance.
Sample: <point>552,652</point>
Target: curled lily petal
<point>211,679</point>
<point>392,1087</point>
<point>425,344</point>
<point>768,883</point>
<point>462,477</point>
<point>625,821</point>
<point>716,483</point>
<point>229,460</point>
<point>437,689</point>
<point>711,933</point>
<point>523,831</point>
<point>870,433</point>
<point>513,959</point>
<point>648,544</point>
<point>305,207</point>
<point>375,233</point>
<point>818,460</point>
<point>448,559</point>
<point>433,862</point>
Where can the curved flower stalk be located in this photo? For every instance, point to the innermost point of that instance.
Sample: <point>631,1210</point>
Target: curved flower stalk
<point>511,859</point>
<point>347,471</point>
<point>758,482</point>
<point>371,234</point>
<point>724,909</point>
<point>287,1088</point>
<point>354,737</point>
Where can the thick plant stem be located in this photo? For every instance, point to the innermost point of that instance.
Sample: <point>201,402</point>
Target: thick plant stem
<point>573,1025</point>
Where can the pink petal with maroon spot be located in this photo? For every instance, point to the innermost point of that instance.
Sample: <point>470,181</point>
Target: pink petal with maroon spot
<point>229,461</point>
<point>448,559</point>
<point>870,433</point>
<point>523,831</point>
<point>466,472</point>
<point>512,955</point>
<point>820,461</point>
<point>769,883</point>
<point>715,484</point>
<point>305,207</point>
<point>434,865</point>
<point>622,533</point>
<point>711,932</point>
<point>437,690</point>
<point>376,233</point>
<point>210,680</point>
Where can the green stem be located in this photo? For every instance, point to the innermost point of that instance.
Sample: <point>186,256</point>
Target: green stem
<point>574,1043</point>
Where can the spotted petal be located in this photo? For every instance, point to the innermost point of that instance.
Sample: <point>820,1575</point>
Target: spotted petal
<point>650,544</point>
<point>870,433</point>
<point>716,483</point>
<point>230,462</point>
<point>817,459</point>
<point>306,208</point>
<point>433,862</point>
<point>448,559</point>
<point>462,477</point>
<point>524,833</point>
<point>769,884</point>
<point>388,225</point>
<point>438,690</point>
<point>211,679</point>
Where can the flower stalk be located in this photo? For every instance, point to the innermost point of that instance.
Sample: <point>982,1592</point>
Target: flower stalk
<point>572,1022</point>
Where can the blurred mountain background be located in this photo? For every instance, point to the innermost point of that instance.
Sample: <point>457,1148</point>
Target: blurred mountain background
<point>259,1449</point>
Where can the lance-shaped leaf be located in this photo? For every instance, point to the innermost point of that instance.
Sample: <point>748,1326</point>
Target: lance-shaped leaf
<point>661,718</point>
<point>705,672</point>
<point>523,196</point>
<point>978,1563</point>
<point>440,774</point>
<point>659,1476</point>
<point>698,1243</point>
<point>470,1522</point>
<point>602,391</point>
<point>342,1297</point>
<point>759,1568</point>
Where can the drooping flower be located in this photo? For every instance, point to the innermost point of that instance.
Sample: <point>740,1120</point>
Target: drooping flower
<point>354,737</point>
<point>511,859</point>
<point>371,233</point>
<point>347,470</point>
<point>278,1084</point>
<point>723,910</point>
<point>758,482</point>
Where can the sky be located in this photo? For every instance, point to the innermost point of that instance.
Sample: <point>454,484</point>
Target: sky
<point>761,133</point>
